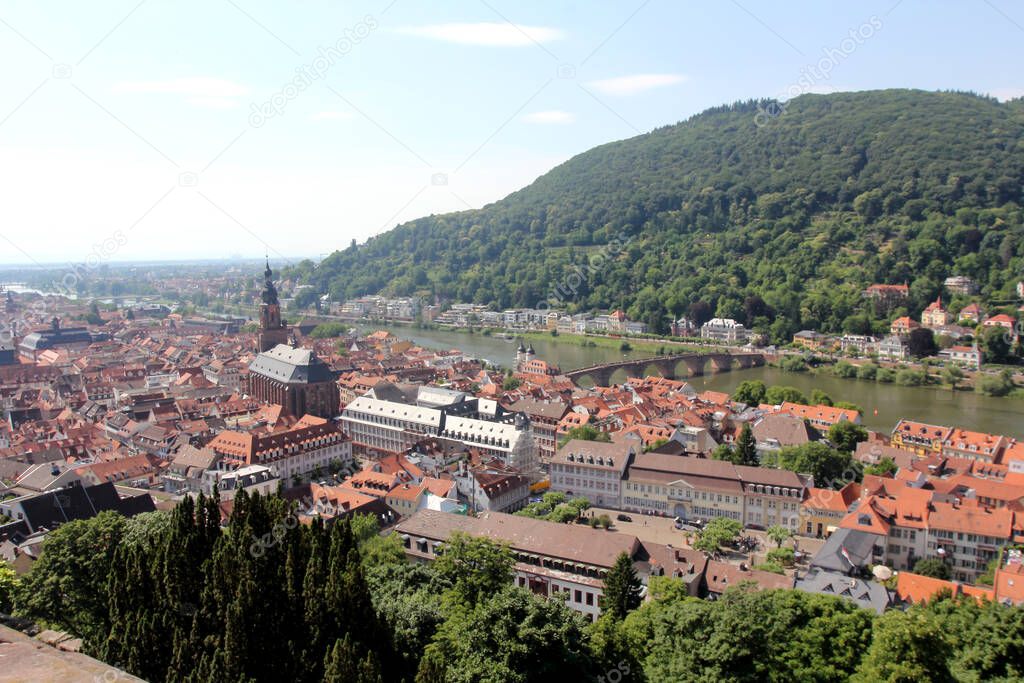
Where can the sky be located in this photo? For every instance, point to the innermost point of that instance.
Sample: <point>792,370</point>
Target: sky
<point>170,129</point>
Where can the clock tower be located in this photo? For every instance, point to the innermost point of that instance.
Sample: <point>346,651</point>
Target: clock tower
<point>272,328</point>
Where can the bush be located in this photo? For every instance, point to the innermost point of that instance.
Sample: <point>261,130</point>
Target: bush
<point>844,369</point>
<point>781,556</point>
<point>867,371</point>
<point>995,385</point>
<point>911,378</point>
<point>885,376</point>
<point>773,567</point>
<point>328,330</point>
<point>793,364</point>
<point>933,567</point>
<point>779,394</point>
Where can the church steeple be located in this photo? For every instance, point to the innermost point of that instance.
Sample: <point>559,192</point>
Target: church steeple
<point>272,328</point>
<point>269,295</point>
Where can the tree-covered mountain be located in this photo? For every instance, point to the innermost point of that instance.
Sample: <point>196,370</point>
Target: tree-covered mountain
<point>780,224</point>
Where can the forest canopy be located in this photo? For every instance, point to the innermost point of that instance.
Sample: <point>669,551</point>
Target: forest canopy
<point>780,226</point>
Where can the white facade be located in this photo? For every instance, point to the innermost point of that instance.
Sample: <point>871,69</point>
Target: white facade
<point>389,426</point>
<point>724,329</point>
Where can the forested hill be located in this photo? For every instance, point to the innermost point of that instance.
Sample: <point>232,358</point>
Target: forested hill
<point>780,224</point>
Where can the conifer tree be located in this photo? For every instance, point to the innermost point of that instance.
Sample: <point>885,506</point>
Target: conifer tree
<point>746,447</point>
<point>621,588</point>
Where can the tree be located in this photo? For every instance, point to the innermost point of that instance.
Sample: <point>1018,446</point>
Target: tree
<point>67,585</point>
<point>474,567</point>
<point>749,635</point>
<point>784,556</point>
<point>988,576</point>
<point>995,385</point>
<point>883,468</point>
<point>343,664</point>
<point>514,636</point>
<point>724,451</point>
<point>750,392</point>
<point>779,534</point>
<point>621,588</point>
<point>921,343</point>
<point>906,646</point>
<point>995,343</point>
<point>844,369</point>
<point>717,532</point>
<point>952,375</point>
<point>511,383</point>
<point>93,316</point>
<point>820,398</point>
<point>847,405</point>
<point>746,447</point>
<point>700,312</point>
<point>328,330</point>
<point>778,394</point>
<point>8,587</point>
<point>933,567</point>
<point>829,467</point>
<point>845,435</point>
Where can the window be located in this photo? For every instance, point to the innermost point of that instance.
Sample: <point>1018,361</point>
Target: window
<point>590,598</point>
<point>578,596</point>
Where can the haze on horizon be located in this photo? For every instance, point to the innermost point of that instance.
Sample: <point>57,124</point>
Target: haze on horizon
<point>239,127</point>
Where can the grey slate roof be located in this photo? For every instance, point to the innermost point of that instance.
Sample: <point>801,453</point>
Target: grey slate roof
<point>47,339</point>
<point>866,594</point>
<point>858,545</point>
<point>291,366</point>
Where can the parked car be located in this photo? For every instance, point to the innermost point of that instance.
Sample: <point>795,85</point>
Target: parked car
<point>623,518</point>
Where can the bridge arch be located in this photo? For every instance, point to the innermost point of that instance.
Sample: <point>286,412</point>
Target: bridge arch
<point>671,367</point>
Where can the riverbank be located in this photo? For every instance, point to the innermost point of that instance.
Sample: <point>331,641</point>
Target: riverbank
<point>991,385</point>
<point>653,347</point>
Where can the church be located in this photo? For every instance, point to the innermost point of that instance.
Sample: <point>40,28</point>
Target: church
<point>294,378</point>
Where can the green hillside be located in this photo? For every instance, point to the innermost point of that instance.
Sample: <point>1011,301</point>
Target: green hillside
<point>780,225</point>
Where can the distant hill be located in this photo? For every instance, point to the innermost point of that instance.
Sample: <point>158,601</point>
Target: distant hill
<point>780,225</point>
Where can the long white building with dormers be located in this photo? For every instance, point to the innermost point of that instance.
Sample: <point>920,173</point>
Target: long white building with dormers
<point>391,418</point>
<point>695,488</point>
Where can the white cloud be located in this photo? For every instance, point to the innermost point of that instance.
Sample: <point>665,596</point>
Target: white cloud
<point>331,116</point>
<point>637,83</point>
<point>491,34</point>
<point>1004,94</point>
<point>553,116</point>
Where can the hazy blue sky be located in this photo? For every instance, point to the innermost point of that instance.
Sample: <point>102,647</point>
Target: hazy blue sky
<point>209,128</point>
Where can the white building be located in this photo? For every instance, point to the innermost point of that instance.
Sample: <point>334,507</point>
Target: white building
<point>725,330</point>
<point>252,479</point>
<point>392,418</point>
<point>893,347</point>
<point>969,357</point>
<point>591,469</point>
<point>861,344</point>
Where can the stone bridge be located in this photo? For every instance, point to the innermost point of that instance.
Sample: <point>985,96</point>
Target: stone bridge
<point>667,366</point>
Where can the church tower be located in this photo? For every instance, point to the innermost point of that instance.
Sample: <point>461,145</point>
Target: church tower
<point>272,329</point>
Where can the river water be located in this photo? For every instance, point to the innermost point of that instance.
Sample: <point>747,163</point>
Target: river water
<point>883,404</point>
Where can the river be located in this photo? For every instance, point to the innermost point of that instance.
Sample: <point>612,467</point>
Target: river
<point>883,404</point>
